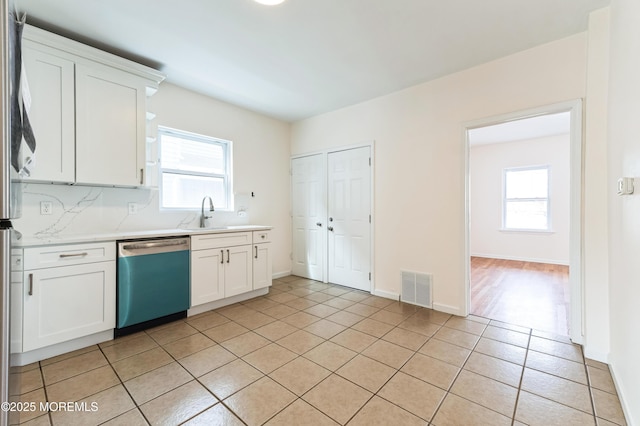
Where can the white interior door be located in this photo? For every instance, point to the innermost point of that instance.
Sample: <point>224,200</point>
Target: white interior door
<point>349,212</point>
<point>308,212</point>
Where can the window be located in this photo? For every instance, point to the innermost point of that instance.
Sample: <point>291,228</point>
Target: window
<point>192,167</point>
<point>526,199</point>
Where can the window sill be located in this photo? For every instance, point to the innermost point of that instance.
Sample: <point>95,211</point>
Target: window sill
<point>527,231</point>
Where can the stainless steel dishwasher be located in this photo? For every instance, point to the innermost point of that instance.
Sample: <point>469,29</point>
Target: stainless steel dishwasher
<point>153,283</point>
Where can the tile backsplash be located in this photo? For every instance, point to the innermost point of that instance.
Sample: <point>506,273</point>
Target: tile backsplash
<point>95,210</point>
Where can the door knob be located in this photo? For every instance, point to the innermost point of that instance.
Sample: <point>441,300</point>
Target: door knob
<point>330,219</point>
<point>330,228</point>
<point>318,224</point>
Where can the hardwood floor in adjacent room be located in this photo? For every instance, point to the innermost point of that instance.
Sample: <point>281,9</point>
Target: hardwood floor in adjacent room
<point>525,293</point>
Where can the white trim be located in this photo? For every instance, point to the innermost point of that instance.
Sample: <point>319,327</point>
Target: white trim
<point>386,294</point>
<point>623,401</point>
<point>29,357</point>
<point>325,153</point>
<point>65,44</point>
<point>282,274</point>
<point>522,259</point>
<point>575,234</point>
<point>596,355</point>
<point>527,231</point>
<point>448,309</point>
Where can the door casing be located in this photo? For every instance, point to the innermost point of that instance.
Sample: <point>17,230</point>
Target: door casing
<point>325,154</point>
<point>576,249</point>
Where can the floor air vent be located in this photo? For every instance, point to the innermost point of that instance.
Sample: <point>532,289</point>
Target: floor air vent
<point>417,289</point>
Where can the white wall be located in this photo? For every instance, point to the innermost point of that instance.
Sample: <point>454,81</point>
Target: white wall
<point>260,165</point>
<point>624,212</point>
<point>419,169</point>
<point>486,165</point>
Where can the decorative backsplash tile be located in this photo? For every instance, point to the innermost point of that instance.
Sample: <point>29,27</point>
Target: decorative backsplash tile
<point>96,210</point>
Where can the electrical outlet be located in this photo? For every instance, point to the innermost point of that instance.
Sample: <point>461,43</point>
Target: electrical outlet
<point>133,208</point>
<point>46,207</point>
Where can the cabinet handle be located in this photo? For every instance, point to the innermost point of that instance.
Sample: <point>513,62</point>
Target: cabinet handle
<point>63,256</point>
<point>141,176</point>
<point>30,284</point>
<point>256,247</point>
<point>228,257</point>
<point>221,257</point>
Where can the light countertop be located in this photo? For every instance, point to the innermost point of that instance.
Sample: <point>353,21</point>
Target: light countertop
<point>128,235</point>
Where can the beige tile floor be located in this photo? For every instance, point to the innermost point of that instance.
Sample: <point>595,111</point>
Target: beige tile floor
<point>315,354</point>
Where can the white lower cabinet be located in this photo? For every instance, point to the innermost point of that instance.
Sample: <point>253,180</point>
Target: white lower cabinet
<point>207,276</point>
<point>262,262</point>
<point>73,298</point>
<point>238,271</point>
<point>221,266</point>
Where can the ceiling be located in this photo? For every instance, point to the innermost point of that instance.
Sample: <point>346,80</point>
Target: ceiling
<point>517,130</point>
<point>307,57</point>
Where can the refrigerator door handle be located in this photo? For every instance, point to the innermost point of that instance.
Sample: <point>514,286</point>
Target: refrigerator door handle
<point>30,284</point>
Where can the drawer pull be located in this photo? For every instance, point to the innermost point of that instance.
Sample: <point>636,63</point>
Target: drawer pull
<point>221,257</point>
<point>228,257</point>
<point>30,284</point>
<point>256,247</point>
<point>64,256</point>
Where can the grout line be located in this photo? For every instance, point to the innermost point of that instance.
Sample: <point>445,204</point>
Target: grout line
<point>324,340</point>
<point>524,364</point>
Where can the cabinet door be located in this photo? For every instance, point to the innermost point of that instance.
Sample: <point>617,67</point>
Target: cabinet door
<point>68,302</point>
<point>52,114</point>
<point>207,278</point>
<point>238,277</point>
<point>110,125</point>
<point>262,267</point>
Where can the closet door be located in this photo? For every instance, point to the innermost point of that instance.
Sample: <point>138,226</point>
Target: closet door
<point>308,216</point>
<point>349,216</point>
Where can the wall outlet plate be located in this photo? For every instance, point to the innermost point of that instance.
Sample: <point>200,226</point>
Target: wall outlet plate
<point>133,208</point>
<point>46,207</point>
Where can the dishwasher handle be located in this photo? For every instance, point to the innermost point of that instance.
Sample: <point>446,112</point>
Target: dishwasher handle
<point>135,248</point>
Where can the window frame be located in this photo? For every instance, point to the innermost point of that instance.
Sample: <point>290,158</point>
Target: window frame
<point>227,177</point>
<point>506,200</point>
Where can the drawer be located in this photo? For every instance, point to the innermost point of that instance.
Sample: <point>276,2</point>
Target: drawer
<point>75,254</point>
<point>222,240</point>
<point>261,237</point>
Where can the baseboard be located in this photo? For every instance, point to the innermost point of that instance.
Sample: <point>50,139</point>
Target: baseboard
<point>521,259</point>
<point>25,358</point>
<point>596,355</point>
<point>281,274</point>
<point>386,294</point>
<point>626,409</point>
<point>447,309</point>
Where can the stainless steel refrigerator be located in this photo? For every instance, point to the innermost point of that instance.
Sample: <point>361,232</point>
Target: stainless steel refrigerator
<point>6,210</point>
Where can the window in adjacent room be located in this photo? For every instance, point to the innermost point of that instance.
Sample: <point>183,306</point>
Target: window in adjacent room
<point>526,199</point>
<point>193,166</point>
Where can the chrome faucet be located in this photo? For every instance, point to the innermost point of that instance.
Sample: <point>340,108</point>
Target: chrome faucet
<point>204,217</point>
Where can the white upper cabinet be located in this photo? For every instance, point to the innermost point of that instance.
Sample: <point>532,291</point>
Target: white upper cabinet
<point>51,83</point>
<point>88,112</point>
<point>110,126</point>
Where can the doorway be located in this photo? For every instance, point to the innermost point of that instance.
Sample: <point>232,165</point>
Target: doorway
<point>331,216</point>
<point>523,239</point>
